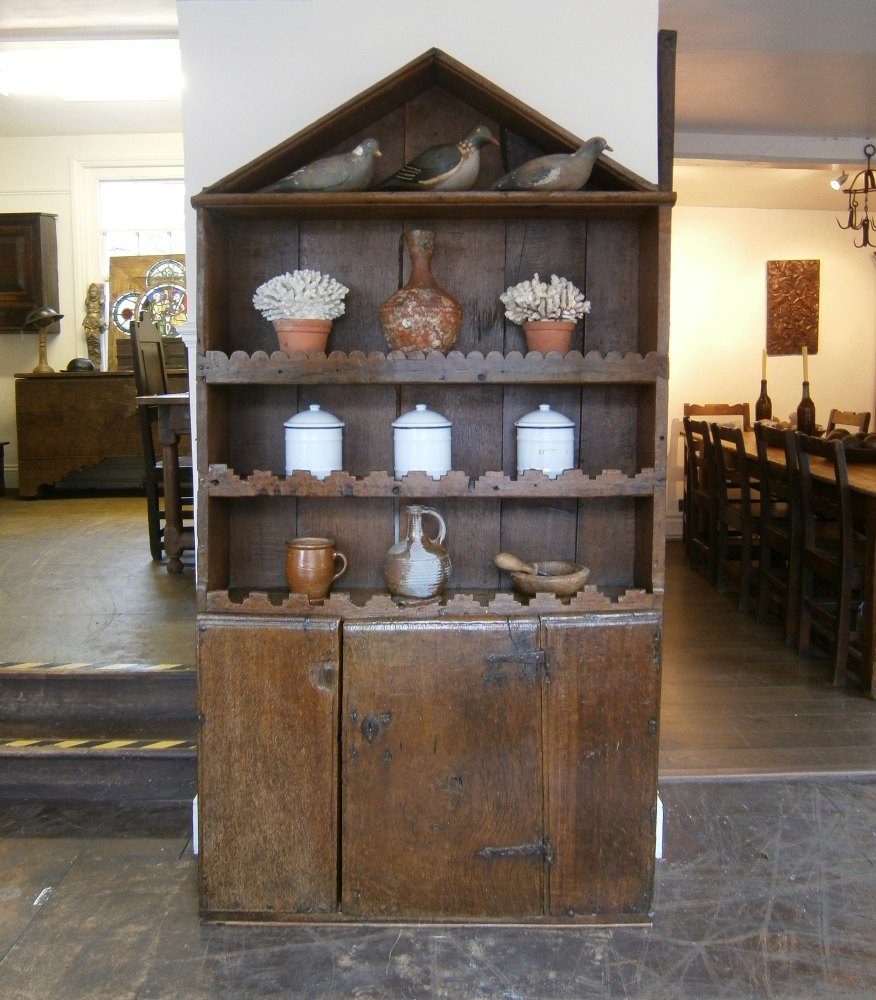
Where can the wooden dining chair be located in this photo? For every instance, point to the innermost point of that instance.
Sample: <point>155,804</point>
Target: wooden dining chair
<point>833,556</point>
<point>150,378</point>
<point>848,419</point>
<point>738,513</point>
<point>700,500</point>
<point>726,413</point>
<point>780,528</point>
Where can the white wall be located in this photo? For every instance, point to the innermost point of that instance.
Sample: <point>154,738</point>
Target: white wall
<point>257,71</point>
<point>41,175</point>
<point>718,315</point>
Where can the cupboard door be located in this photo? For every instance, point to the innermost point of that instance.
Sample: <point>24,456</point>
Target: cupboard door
<point>441,762</point>
<point>600,746</point>
<point>267,765</point>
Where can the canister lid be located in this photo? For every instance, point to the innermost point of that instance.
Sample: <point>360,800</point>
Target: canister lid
<point>544,416</point>
<point>314,416</point>
<point>419,416</point>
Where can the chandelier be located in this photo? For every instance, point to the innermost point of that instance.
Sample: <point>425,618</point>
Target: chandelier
<point>859,191</point>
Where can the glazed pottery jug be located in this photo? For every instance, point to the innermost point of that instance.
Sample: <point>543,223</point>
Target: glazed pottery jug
<point>311,566</point>
<point>417,567</point>
<point>421,316</point>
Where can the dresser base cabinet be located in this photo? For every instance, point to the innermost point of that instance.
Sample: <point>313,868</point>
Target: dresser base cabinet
<point>486,769</point>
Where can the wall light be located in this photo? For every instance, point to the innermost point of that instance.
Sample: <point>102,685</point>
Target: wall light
<point>837,182</point>
<point>859,192</point>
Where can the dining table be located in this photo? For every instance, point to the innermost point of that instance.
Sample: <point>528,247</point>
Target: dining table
<point>174,422</point>
<point>862,485</point>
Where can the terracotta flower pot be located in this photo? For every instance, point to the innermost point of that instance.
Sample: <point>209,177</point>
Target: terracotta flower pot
<point>308,335</point>
<point>549,335</point>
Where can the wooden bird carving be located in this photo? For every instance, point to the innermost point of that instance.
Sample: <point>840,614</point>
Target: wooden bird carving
<point>343,172</point>
<point>555,172</point>
<point>453,166</point>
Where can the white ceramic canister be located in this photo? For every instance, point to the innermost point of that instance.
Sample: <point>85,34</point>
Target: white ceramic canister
<point>545,441</point>
<point>313,442</point>
<point>421,440</point>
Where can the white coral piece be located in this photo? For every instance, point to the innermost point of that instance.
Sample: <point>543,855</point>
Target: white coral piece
<point>537,300</point>
<point>303,294</point>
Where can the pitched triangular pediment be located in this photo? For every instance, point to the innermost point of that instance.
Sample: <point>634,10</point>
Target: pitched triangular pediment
<point>432,99</point>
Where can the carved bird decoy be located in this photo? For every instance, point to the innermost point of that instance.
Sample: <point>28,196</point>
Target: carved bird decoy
<point>555,172</point>
<point>452,166</point>
<point>343,172</point>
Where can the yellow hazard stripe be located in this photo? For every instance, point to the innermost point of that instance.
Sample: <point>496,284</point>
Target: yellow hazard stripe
<point>77,665</point>
<point>98,744</point>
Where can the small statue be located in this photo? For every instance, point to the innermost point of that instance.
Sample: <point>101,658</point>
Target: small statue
<point>94,323</point>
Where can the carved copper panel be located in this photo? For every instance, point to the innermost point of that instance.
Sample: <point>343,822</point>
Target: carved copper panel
<point>792,306</point>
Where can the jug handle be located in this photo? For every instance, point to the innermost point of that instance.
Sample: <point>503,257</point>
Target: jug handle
<point>339,556</point>
<point>442,527</point>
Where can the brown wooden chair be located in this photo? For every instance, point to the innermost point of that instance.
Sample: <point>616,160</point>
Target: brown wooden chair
<point>833,554</point>
<point>849,419</point>
<point>150,378</point>
<point>700,499</point>
<point>780,529</point>
<point>738,513</point>
<point>728,412</point>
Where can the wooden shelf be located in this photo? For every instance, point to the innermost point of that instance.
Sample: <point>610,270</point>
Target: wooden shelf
<point>435,204</point>
<point>371,604</point>
<point>221,481</point>
<point>359,368</point>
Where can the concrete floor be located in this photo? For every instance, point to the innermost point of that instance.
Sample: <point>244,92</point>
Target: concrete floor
<point>767,887</point>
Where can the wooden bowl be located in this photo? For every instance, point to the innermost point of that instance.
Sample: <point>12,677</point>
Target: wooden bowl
<point>563,579</point>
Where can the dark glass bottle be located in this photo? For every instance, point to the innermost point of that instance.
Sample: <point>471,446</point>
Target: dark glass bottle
<point>806,412</point>
<point>763,408</point>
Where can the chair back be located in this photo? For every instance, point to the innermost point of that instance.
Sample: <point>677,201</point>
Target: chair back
<point>780,563</point>
<point>779,481</point>
<point>849,419</point>
<point>823,502</point>
<point>734,474</point>
<point>150,371</point>
<point>728,412</point>
<point>699,458</point>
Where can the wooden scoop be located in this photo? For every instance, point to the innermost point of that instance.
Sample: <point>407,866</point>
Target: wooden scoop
<point>504,560</point>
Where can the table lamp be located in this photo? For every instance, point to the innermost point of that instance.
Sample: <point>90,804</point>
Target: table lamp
<point>39,320</point>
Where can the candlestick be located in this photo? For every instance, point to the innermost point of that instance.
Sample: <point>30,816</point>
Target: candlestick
<point>805,364</point>
<point>763,367</point>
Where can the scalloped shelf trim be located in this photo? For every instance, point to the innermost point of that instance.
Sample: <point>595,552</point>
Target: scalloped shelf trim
<point>503,603</point>
<point>357,366</point>
<point>220,481</point>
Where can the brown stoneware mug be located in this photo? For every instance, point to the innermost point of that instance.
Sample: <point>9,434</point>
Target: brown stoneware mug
<point>311,566</point>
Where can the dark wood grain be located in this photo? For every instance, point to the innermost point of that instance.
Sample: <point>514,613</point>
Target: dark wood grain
<point>71,421</point>
<point>600,739</point>
<point>441,762</point>
<point>268,766</point>
<point>28,269</point>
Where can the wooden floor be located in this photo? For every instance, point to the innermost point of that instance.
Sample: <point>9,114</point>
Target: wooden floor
<point>77,584</point>
<point>736,701</point>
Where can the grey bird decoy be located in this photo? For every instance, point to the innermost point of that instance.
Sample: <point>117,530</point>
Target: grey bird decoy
<point>555,172</point>
<point>343,172</point>
<point>452,166</point>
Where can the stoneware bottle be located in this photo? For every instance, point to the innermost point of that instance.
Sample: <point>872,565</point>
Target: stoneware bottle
<point>421,316</point>
<point>417,567</point>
